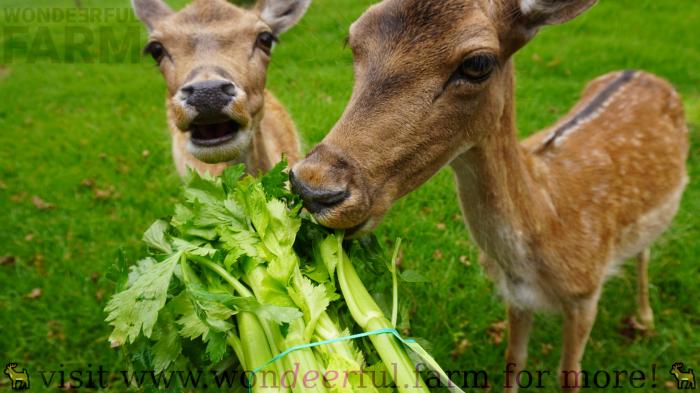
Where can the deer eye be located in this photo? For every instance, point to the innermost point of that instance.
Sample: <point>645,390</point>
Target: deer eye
<point>477,68</point>
<point>156,50</point>
<point>265,41</point>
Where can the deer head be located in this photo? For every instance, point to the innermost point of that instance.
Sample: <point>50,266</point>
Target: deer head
<point>214,58</point>
<point>432,80</point>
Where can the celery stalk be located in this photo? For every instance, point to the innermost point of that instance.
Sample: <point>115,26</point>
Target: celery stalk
<point>237,285</point>
<point>369,316</point>
<point>395,285</point>
<point>326,330</point>
<point>254,341</point>
<point>235,343</point>
<point>304,359</point>
<point>255,349</point>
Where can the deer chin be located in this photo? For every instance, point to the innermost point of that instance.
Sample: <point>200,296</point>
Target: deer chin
<point>362,229</point>
<point>219,142</point>
<point>355,222</point>
<point>351,232</point>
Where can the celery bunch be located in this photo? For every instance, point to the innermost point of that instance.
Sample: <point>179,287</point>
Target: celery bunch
<point>238,269</point>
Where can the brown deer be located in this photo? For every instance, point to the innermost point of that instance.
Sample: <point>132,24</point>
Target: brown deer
<point>214,57</point>
<point>553,216</point>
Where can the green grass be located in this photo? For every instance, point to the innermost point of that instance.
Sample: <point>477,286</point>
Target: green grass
<point>63,124</point>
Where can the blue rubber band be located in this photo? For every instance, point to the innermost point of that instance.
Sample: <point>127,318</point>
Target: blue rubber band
<point>394,332</point>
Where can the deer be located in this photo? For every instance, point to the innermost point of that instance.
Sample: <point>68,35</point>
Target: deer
<point>553,216</point>
<point>214,58</point>
<point>20,379</point>
<point>684,379</point>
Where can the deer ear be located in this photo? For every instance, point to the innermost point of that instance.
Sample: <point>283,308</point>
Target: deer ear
<point>525,18</point>
<point>537,13</point>
<point>151,11</point>
<point>281,15</point>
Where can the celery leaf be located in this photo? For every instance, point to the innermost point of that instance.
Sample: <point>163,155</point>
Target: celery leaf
<point>137,307</point>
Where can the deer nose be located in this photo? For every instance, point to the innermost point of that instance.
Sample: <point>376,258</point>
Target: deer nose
<point>209,97</point>
<point>317,200</point>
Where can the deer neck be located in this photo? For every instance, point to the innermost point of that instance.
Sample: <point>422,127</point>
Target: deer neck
<point>258,158</point>
<point>506,208</point>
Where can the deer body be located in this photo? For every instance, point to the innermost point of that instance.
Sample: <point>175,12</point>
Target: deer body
<point>214,57</point>
<point>554,215</point>
<point>553,220</point>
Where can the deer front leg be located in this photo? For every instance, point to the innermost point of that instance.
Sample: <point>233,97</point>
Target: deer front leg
<point>519,324</point>
<point>645,313</point>
<point>578,321</point>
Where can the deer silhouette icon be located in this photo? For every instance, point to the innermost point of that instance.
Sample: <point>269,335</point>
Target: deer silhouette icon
<point>20,379</point>
<point>685,379</point>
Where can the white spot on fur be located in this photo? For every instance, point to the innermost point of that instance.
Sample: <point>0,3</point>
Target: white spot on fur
<point>528,6</point>
<point>600,192</point>
<point>520,286</point>
<point>525,295</point>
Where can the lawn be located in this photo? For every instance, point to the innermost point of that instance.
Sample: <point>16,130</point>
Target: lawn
<point>85,167</point>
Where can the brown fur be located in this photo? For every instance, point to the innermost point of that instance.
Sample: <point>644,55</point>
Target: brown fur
<point>213,39</point>
<point>552,221</point>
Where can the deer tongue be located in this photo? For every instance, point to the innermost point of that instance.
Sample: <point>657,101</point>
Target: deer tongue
<point>213,134</point>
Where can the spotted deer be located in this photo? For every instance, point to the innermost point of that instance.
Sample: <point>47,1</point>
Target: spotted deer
<point>214,57</point>
<point>553,216</point>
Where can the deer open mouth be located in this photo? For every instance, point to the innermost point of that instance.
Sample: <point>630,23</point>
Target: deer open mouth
<point>213,134</point>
